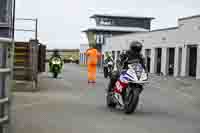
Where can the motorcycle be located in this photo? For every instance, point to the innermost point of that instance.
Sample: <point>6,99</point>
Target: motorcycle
<point>128,88</point>
<point>108,67</point>
<point>55,66</point>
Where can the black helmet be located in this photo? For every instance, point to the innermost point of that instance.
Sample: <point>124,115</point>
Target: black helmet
<point>55,52</point>
<point>136,46</point>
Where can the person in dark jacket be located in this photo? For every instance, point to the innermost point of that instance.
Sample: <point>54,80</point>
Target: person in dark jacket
<point>134,53</point>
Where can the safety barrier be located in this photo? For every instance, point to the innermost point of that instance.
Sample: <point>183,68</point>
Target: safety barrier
<point>5,80</point>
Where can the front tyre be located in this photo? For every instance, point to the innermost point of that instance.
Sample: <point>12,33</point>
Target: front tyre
<point>109,72</point>
<point>109,101</point>
<point>55,75</point>
<point>105,72</point>
<point>131,104</point>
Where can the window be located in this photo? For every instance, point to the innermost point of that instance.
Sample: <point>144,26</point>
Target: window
<point>148,52</point>
<point>100,39</point>
<point>164,38</point>
<point>3,11</point>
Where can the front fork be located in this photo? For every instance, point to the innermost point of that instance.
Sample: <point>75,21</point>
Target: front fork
<point>138,88</point>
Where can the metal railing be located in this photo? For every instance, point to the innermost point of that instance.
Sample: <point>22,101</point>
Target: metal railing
<point>5,78</point>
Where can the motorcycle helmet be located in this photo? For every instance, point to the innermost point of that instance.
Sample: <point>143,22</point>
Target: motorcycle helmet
<point>56,52</point>
<point>107,54</point>
<point>136,46</point>
<point>123,55</point>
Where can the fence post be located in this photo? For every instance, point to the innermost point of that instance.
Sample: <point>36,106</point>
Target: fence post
<point>34,61</point>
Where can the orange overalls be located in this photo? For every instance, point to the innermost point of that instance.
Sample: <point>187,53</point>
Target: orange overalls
<point>92,60</point>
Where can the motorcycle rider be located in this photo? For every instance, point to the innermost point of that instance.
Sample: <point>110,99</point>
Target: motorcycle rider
<point>134,53</point>
<point>108,58</point>
<point>55,54</point>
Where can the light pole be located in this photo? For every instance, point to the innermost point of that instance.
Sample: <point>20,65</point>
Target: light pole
<point>13,19</point>
<point>36,29</point>
<point>13,38</point>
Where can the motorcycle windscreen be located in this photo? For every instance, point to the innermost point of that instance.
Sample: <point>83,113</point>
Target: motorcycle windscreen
<point>128,76</point>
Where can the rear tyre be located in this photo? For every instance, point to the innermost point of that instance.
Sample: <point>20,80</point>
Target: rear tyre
<point>131,106</point>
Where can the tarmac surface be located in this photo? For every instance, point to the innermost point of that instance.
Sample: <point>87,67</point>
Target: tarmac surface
<point>69,105</point>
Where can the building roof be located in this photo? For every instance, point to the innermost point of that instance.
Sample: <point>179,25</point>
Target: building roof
<point>63,50</point>
<point>116,29</point>
<point>21,42</point>
<point>164,29</point>
<point>84,44</point>
<point>156,30</point>
<point>190,17</point>
<point>120,16</point>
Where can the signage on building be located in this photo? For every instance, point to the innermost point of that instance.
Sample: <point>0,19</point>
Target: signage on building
<point>105,21</point>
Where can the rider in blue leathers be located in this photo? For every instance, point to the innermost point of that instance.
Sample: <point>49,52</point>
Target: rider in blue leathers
<point>134,52</point>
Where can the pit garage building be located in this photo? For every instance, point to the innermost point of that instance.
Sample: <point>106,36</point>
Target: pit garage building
<point>171,51</point>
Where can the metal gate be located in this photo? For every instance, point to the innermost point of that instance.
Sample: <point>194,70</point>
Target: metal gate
<point>29,61</point>
<point>5,76</point>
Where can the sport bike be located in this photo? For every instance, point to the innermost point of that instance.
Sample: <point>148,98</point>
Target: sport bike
<point>55,66</point>
<point>128,88</point>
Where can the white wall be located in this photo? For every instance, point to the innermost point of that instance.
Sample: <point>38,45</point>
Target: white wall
<point>149,40</point>
<point>189,30</point>
<point>188,33</point>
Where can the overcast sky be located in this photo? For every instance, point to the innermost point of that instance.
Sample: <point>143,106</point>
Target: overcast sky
<point>61,21</point>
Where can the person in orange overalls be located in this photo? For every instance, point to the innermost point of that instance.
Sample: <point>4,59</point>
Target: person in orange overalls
<point>92,59</point>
